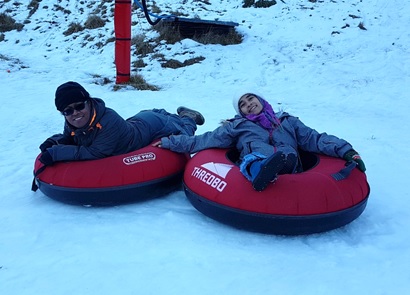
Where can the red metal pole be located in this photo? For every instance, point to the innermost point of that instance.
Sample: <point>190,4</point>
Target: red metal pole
<point>122,27</point>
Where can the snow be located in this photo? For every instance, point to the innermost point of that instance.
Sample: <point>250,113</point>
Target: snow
<point>353,83</point>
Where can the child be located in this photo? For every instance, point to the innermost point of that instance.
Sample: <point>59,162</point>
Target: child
<point>268,143</point>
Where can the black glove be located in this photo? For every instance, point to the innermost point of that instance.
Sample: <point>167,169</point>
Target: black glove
<point>46,158</point>
<point>47,144</point>
<point>354,156</point>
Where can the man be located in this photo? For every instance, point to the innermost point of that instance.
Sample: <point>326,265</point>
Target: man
<point>93,131</point>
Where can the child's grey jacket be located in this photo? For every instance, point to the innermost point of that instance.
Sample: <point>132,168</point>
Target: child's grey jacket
<point>249,137</point>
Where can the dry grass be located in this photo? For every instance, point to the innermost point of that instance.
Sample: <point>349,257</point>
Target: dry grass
<point>260,3</point>
<point>33,6</point>
<point>138,82</point>
<point>142,46</point>
<point>94,22</point>
<point>231,38</point>
<point>172,34</point>
<point>7,23</point>
<point>73,28</point>
<point>175,64</point>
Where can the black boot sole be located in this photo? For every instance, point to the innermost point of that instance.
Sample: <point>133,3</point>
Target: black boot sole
<point>269,171</point>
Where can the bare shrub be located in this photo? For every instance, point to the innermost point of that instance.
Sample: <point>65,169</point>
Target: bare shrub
<point>167,33</point>
<point>142,47</point>
<point>100,80</point>
<point>138,82</point>
<point>73,28</point>
<point>174,64</point>
<point>94,22</point>
<point>60,8</point>
<point>361,26</point>
<point>264,4</point>
<point>248,3</point>
<point>33,6</point>
<point>109,40</point>
<point>172,34</point>
<point>258,4</point>
<point>7,23</point>
<point>232,37</point>
<point>139,63</point>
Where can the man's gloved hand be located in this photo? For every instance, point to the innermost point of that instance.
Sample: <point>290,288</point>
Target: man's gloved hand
<point>354,156</point>
<point>46,158</point>
<point>47,144</point>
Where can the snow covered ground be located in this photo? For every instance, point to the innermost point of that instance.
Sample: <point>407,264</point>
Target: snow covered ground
<point>309,58</point>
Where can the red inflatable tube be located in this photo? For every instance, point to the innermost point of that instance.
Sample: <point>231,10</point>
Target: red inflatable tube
<point>296,204</point>
<point>142,174</point>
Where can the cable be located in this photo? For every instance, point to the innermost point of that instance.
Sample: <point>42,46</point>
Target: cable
<point>147,13</point>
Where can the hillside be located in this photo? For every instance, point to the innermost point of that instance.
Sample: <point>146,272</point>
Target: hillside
<point>342,67</point>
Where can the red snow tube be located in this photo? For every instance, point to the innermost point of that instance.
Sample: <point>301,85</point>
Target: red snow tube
<point>139,175</point>
<point>305,203</point>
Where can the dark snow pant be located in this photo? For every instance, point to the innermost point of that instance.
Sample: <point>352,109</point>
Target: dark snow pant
<point>260,151</point>
<point>156,123</point>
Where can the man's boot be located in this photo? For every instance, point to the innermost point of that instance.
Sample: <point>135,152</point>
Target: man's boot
<point>194,115</point>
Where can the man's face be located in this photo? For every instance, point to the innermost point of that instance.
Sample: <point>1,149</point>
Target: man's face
<point>77,114</point>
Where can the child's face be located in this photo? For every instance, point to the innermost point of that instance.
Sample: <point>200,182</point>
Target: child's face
<point>250,104</point>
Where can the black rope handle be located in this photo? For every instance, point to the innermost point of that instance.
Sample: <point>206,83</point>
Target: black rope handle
<point>34,186</point>
<point>345,172</point>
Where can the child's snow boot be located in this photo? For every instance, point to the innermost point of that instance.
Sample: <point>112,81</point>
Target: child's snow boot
<point>265,171</point>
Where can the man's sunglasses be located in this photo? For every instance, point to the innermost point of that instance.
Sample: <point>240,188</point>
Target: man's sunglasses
<point>77,107</point>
